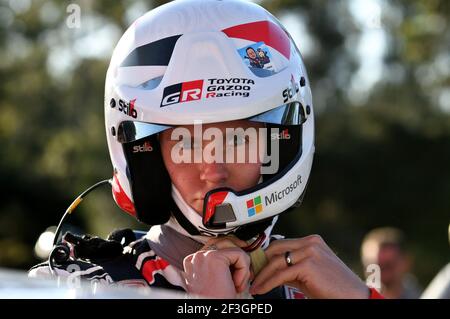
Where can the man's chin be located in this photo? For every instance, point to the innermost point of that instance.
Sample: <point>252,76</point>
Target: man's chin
<point>197,205</point>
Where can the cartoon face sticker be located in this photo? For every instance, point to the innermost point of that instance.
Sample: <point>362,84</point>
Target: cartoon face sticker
<point>262,56</point>
<point>251,54</point>
<point>257,56</point>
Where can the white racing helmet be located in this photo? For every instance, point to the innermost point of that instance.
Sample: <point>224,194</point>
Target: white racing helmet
<point>209,61</point>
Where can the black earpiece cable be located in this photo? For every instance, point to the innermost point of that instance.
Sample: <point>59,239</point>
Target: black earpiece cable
<point>61,251</point>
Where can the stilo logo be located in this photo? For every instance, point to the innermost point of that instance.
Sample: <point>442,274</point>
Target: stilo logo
<point>127,108</point>
<point>291,90</point>
<point>146,147</point>
<point>254,206</point>
<point>182,92</point>
<point>284,135</point>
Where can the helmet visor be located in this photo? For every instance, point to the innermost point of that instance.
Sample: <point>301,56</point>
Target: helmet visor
<point>287,114</point>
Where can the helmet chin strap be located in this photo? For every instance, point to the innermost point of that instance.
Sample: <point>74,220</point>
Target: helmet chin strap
<point>196,220</point>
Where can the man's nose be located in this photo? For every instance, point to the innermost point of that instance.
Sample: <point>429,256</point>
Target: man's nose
<point>214,173</point>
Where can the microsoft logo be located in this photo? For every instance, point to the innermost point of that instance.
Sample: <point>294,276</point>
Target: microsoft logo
<point>254,206</point>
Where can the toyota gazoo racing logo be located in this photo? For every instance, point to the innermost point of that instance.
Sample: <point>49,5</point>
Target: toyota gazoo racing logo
<point>215,88</point>
<point>182,92</point>
<point>126,108</point>
<point>229,87</point>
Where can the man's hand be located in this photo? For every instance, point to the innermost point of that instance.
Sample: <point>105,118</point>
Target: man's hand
<point>217,273</point>
<point>315,270</point>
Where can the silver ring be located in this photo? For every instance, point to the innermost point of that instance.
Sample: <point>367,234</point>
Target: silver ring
<point>288,259</point>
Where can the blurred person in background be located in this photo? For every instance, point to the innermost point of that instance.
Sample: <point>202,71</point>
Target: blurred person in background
<point>386,247</point>
<point>439,287</point>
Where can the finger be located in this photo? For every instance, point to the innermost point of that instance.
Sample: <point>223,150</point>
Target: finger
<point>187,270</point>
<point>245,287</point>
<point>225,242</point>
<point>222,244</point>
<point>279,278</point>
<point>277,263</point>
<point>187,263</point>
<point>240,262</point>
<point>236,257</point>
<point>280,246</point>
<point>236,241</point>
<point>239,277</point>
<point>244,283</point>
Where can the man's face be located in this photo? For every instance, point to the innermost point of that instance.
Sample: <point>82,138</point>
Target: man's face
<point>393,264</point>
<point>195,178</point>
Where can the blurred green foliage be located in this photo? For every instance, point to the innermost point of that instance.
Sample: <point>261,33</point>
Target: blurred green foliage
<point>383,152</point>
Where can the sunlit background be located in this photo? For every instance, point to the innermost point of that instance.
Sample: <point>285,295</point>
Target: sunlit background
<point>380,74</point>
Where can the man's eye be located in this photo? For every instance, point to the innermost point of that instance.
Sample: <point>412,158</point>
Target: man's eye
<point>190,144</point>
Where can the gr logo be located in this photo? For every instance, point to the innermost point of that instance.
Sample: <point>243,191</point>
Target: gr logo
<point>182,92</point>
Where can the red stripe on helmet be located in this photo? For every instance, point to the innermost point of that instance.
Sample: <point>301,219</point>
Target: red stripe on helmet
<point>121,197</point>
<point>266,31</point>
<point>213,200</point>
